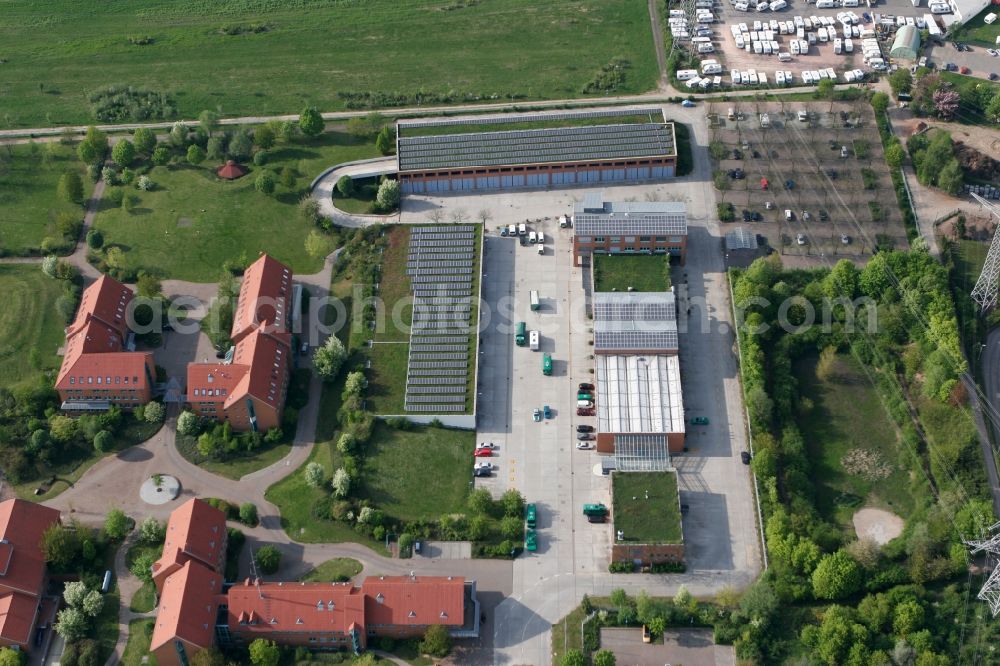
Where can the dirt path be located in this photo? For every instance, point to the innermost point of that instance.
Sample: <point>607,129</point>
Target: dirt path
<point>879,525</point>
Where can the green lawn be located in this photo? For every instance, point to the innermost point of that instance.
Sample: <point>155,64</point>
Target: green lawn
<point>970,258</point>
<point>140,634</point>
<point>435,130</point>
<point>360,202</point>
<point>567,632</point>
<point>193,221</point>
<point>387,378</point>
<point>144,600</point>
<point>75,461</point>
<point>335,570</point>
<point>418,474</point>
<point>310,52</point>
<point>642,272</point>
<point>847,415</point>
<point>655,515</point>
<point>105,630</point>
<point>977,31</point>
<point>28,321</point>
<point>29,180</point>
<point>238,466</point>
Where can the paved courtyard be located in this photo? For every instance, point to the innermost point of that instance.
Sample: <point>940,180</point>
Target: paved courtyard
<point>691,647</point>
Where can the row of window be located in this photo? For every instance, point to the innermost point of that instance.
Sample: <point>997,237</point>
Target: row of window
<point>103,380</point>
<point>544,167</point>
<point>676,240</point>
<point>208,392</point>
<point>129,396</point>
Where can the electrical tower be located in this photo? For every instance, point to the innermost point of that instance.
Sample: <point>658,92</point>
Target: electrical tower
<point>985,291</point>
<point>990,592</point>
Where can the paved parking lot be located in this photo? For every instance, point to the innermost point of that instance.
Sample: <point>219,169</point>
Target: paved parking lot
<point>541,459</point>
<point>693,647</point>
<point>979,62</point>
<point>854,192</point>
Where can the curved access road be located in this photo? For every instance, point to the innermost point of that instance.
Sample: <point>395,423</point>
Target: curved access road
<point>322,190</point>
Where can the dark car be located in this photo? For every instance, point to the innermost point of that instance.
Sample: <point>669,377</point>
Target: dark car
<point>756,155</point>
<point>823,215</point>
<point>596,519</point>
<point>482,471</point>
<point>832,173</point>
<point>789,184</point>
<point>585,428</point>
<point>992,76</point>
<point>737,174</point>
<point>584,436</point>
<point>756,217</point>
<point>746,215</point>
<point>737,154</point>
<point>745,457</point>
<point>584,386</point>
<point>584,411</point>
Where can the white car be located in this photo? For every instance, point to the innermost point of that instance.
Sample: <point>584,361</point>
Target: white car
<point>993,52</point>
<point>484,465</point>
<point>584,446</point>
<point>800,239</point>
<point>845,239</point>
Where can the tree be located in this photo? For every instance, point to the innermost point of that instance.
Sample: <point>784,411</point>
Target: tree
<point>824,89</point>
<point>49,265</point>
<point>512,527</point>
<point>71,624</point>
<point>717,150</point>
<point>311,122</point>
<point>155,412</point>
<point>314,475</point>
<point>268,558</point>
<point>87,152</point>
<point>195,154</point>
<point>71,187</point>
<point>148,286</point>
<point>880,102</point>
<point>240,146</point>
<point>951,179</point>
<point>901,81</point>
<point>946,103</point>
<point>388,194</point>
<point>63,428</point>
<point>264,653</point>
<point>74,593</point>
<point>209,657</point>
<point>208,121</point>
<point>92,603</point>
<point>60,546</point>
<point>385,141</point>
<point>187,424</point>
<point>436,642</point>
<point>513,503</point>
<point>9,657</point>
<point>345,185</point>
<point>216,147</point>
<point>142,566</point>
<point>144,140</point>
<point>894,155</point>
<point>480,501</point>
<point>116,524</point>
<point>573,657</point>
<point>836,576</point>
<point>992,110</point>
<point>657,626</point>
<point>123,153</point>
<point>161,156</point>
<point>264,137</point>
<point>341,483</point>
<point>151,530</point>
<point>329,358</point>
<point>355,383</point>
<point>248,514</point>
<point>264,183</point>
<point>607,657</point>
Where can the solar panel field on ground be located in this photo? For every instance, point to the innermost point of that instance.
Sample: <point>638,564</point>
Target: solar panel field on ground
<point>442,265</point>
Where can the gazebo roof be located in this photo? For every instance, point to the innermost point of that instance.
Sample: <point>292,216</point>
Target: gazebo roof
<point>231,170</point>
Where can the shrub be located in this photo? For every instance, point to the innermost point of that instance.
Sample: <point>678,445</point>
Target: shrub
<point>264,183</point>
<point>187,424</point>
<point>151,530</point>
<point>436,642</point>
<point>345,186</point>
<point>123,103</point>
<point>145,183</point>
<point>95,239</point>
<point>314,475</point>
<point>248,514</point>
<point>155,412</point>
<point>269,559</point>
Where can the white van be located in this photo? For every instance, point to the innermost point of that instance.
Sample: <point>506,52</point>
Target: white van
<point>794,45</point>
<point>706,48</point>
<point>990,18</point>
<point>821,34</point>
<point>807,77</point>
<point>712,68</point>
<point>778,5</point>
<point>584,404</point>
<point>848,45</point>
<point>541,237</point>
<point>779,78</point>
<point>753,77</point>
<point>522,229</point>
<point>784,56</point>
<point>563,221</point>
<point>512,230</point>
<point>762,79</point>
<point>685,74</point>
<point>762,6</point>
<point>676,13</point>
<point>824,4</point>
<point>532,238</point>
<point>940,8</point>
<point>838,46</point>
<point>849,3</point>
<point>534,341</point>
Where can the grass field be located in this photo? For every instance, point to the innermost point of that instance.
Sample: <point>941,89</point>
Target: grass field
<point>28,321</point>
<point>848,415</point>
<point>105,630</point>
<point>140,634</point>
<point>193,221</point>
<point>567,632</point>
<point>237,467</point>
<point>654,516</point>
<point>57,53</point>
<point>335,570</point>
<point>418,474</point>
<point>642,272</point>
<point>144,600</point>
<point>365,190</point>
<point>977,31</point>
<point>435,130</point>
<point>29,179</point>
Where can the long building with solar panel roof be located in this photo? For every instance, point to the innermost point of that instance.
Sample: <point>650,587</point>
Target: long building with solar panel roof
<point>636,227</point>
<point>603,152</point>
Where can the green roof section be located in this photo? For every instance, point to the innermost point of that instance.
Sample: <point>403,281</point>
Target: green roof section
<point>646,507</point>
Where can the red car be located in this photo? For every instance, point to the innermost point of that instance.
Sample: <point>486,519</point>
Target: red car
<point>965,70</point>
<point>484,453</point>
<point>585,411</point>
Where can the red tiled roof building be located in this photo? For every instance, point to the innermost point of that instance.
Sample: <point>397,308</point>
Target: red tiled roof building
<point>22,570</point>
<point>96,369</point>
<point>195,531</point>
<point>249,390</point>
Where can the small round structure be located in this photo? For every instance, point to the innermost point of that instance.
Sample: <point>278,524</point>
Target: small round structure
<point>231,170</point>
<point>160,489</point>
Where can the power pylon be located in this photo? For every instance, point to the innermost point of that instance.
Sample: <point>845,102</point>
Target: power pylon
<point>990,592</point>
<point>986,289</point>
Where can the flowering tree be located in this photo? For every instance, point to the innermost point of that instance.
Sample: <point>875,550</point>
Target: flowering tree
<point>946,103</point>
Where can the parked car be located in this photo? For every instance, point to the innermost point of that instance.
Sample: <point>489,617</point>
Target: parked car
<point>547,412</point>
<point>584,436</point>
<point>737,174</point>
<point>584,386</point>
<point>993,52</point>
<point>584,446</point>
<point>482,464</point>
<point>687,103</point>
<point>800,239</point>
<point>823,215</point>
<point>745,457</point>
<point>737,154</point>
<point>964,70</point>
<point>755,216</point>
<point>530,540</point>
<point>585,428</point>
<point>536,415</point>
<point>699,420</point>
<point>483,453</point>
<point>487,445</point>
<point>584,411</point>
<point>845,239</point>
<point>482,471</point>
<point>992,76</point>
<point>746,215</point>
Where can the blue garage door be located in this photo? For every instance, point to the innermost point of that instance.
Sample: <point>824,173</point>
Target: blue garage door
<point>518,181</point>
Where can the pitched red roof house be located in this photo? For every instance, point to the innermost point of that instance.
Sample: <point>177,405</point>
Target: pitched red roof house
<point>22,568</point>
<point>231,170</point>
<point>195,531</point>
<point>95,367</point>
<point>249,391</point>
<point>186,614</point>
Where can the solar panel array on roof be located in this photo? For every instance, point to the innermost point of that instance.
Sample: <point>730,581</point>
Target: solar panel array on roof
<point>652,341</point>
<point>593,143</point>
<point>440,261</point>
<point>652,111</point>
<point>635,311</point>
<point>645,225</point>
